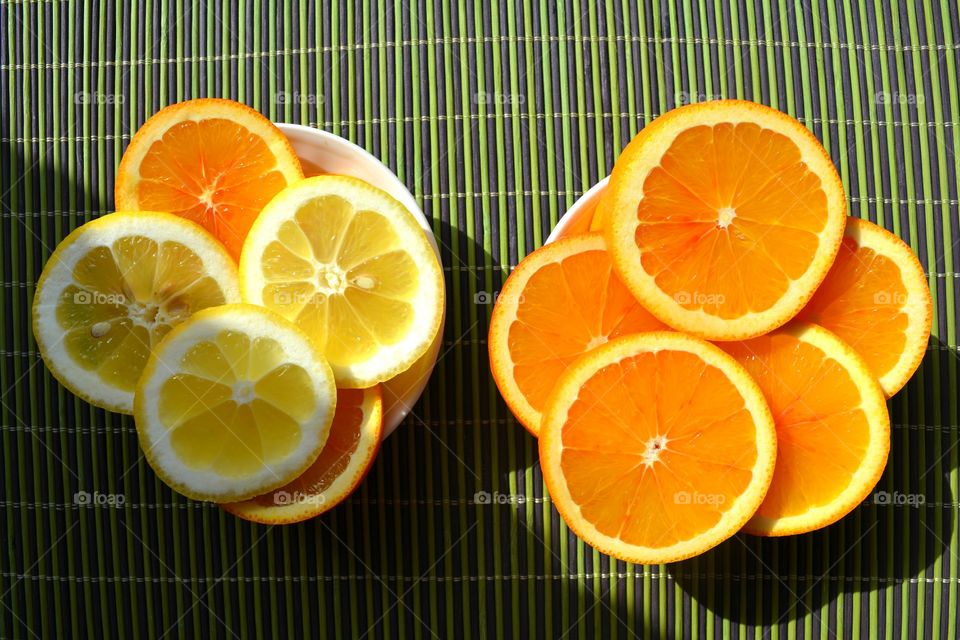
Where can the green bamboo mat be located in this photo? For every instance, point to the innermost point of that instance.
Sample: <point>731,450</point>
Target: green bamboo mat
<point>497,116</point>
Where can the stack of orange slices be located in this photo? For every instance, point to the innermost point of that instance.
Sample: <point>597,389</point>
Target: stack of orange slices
<point>256,387</point>
<point>714,355</point>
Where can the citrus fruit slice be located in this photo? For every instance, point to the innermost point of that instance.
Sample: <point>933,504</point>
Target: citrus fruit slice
<point>345,459</point>
<point>113,288</point>
<point>833,430</point>
<point>724,217</point>
<point>216,162</point>
<point>351,266</point>
<point>234,403</point>
<point>876,299</point>
<point>561,301</point>
<point>656,446</point>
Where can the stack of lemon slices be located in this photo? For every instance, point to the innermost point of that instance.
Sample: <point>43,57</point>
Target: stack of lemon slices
<point>715,353</point>
<point>245,315</point>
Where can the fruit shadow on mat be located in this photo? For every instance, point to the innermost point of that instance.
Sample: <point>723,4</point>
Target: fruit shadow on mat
<point>893,539</point>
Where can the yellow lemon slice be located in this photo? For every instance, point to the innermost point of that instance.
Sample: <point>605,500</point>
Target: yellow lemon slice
<point>113,288</point>
<point>234,403</point>
<point>352,268</point>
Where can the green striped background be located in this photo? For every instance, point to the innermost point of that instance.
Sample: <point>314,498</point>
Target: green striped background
<point>496,115</point>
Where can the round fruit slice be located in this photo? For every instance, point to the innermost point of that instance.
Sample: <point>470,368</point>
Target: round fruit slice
<point>656,446</point>
<point>351,266</point>
<point>113,288</point>
<point>348,454</point>
<point>876,298</point>
<point>724,217</point>
<point>216,162</point>
<point>561,301</point>
<point>833,430</point>
<point>234,403</point>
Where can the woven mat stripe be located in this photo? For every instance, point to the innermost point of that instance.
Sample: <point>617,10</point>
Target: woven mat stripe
<point>496,117</point>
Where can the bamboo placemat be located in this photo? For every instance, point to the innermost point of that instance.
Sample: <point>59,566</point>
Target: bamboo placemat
<point>497,116</point>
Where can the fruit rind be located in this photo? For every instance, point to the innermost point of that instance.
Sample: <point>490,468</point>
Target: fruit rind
<point>566,393</point>
<point>103,231</point>
<point>206,325</point>
<point>644,152</point>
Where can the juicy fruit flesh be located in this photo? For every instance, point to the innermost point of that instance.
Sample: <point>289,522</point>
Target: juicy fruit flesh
<point>861,300</point>
<point>214,172</point>
<point>729,218</point>
<point>821,426</point>
<point>345,437</point>
<point>235,404</point>
<point>125,298</point>
<point>568,308</point>
<point>657,447</point>
<point>333,266</point>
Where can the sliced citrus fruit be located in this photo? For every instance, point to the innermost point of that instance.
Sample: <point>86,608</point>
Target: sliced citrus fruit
<point>561,301</point>
<point>833,430</point>
<point>113,288</point>
<point>724,217</point>
<point>344,461</point>
<point>656,446</point>
<point>234,403</point>
<point>876,298</point>
<point>216,162</point>
<point>351,266</point>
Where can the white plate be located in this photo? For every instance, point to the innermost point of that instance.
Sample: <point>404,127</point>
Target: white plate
<point>577,218</point>
<point>323,152</point>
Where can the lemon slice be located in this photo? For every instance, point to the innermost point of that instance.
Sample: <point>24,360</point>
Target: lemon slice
<point>234,403</point>
<point>352,268</point>
<point>113,288</point>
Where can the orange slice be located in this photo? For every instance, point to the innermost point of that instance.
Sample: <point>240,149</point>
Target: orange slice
<point>213,161</point>
<point>833,430</point>
<point>561,301</point>
<point>724,217</point>
<point>877,299</point>
<point>343,462</point>
<point>656,447</point>
<point>600,218</point>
